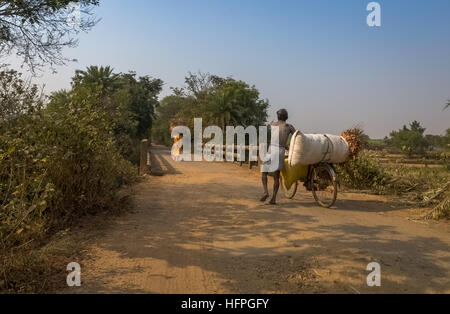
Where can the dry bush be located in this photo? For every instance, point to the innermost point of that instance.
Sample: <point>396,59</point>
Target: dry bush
<point>364,172</point>
<point>54,168</point>
<point>29,271</point>
<point>52,172</point>
<point>425,186</point>
<point>440,199</point>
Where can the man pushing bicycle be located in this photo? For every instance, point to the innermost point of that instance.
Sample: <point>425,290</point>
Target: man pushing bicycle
<point>276,151</point>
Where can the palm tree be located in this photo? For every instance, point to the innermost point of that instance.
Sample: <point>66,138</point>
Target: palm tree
<point>224,108</point>
<point>95,76</point>
<point>101,81</point>
<point>447,105</point>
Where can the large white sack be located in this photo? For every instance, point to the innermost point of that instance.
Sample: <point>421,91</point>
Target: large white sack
<point>310,149</point>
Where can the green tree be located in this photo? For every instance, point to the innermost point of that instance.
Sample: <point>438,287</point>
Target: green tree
<point>218,101</point>
<point>17,97</point>
<point>127,102</point>
<point>236,103</point>
<point>221,101</point>
<point>99,83</point>
<point>434,141</point>
<point>202,85</point>
<point>144,93</point>
<point>95,77</point>
<point>416,127</point>
<point>411,140</point>
<point>169,108</point>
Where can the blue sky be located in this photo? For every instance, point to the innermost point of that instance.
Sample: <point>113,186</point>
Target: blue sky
<point>318,59</point>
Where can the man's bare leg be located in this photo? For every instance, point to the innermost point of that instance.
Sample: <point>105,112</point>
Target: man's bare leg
<point>266,189</point>
<point>276,187</point>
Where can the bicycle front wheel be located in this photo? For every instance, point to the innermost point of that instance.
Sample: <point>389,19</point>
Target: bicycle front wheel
<point>324,185</point>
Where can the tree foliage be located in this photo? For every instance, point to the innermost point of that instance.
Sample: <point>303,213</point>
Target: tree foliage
<point>218,101</point>
<point>446,140</point>
<point>127,101</point>
<point>17,96</point>
<point>411,140</point>
<point>68,157</point>
<point>38,30</point>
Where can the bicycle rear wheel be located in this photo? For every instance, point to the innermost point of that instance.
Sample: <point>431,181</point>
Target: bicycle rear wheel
<point>324,185</point>
<point>289,193</point>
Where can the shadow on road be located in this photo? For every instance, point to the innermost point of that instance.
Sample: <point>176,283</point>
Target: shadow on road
<point>159,165</point>
<point>206,221</point>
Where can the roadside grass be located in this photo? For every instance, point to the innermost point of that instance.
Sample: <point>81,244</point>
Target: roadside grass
<point>427,186</point>
<point>39,266</point>
<point>34,268</point>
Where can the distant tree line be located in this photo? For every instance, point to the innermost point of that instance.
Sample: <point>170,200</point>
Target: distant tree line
<point>412,140</point>
<point>217,100</point>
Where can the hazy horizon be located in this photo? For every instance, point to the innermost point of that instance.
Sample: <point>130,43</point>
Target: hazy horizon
<point>319,60</point>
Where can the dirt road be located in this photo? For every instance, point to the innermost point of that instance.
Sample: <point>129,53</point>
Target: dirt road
<point>200,229</point>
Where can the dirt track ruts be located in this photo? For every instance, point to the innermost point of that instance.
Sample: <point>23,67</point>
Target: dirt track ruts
<point>200,229</point>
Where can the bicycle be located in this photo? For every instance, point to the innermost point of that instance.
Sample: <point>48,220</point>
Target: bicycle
<point>320,179</point>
